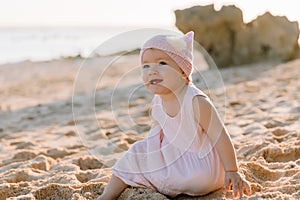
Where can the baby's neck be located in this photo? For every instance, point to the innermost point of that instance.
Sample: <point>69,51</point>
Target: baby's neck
<point>178,94</point>
<point>172,102</point>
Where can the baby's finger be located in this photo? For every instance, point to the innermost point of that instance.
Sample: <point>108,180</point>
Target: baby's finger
<point>240,189</point>
<point>235,188</point>
<point>227,183</point>
<point>247,187</point>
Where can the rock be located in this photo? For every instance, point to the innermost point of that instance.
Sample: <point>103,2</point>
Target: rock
<point>267,37</point>
<point>215,31</point>
<point>230,41</point>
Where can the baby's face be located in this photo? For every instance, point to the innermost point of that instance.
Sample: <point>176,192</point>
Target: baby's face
<point>160,73</point>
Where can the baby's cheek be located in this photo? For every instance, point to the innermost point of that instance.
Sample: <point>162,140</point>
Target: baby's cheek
<point>175,74</point>
<point>144,79</point>
<point>143,74</point>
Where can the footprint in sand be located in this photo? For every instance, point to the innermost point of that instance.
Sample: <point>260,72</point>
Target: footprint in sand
<point>274,123</point>
<point>75,192</point>
<point>21,175</point>
<point>259,174</point>
<point>41,163</point>
<point>23,145</point>
<point>20,156</point>
<point>88,162</point>
<point>59,153</point>
<point>264,176</point>
<point>276,153</point>
<point>279,134</point>
<point>85,176</point>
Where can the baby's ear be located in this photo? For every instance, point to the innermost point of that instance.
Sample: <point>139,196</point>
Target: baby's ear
<point>189,35</point>
<point>189,38</point>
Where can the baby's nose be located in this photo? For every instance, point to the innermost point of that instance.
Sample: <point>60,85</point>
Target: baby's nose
<point>153,71</point>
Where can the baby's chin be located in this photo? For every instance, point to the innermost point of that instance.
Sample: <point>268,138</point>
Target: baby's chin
<point>157,89</point>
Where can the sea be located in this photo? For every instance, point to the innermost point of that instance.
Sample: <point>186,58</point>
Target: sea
<point>48,43</point>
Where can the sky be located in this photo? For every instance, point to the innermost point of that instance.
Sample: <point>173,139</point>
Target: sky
<point>140,13</point>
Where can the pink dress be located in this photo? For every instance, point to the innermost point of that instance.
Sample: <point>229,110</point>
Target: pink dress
<point>177,156</point>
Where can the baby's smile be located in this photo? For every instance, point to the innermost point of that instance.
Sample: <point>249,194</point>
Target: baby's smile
<point>155,81</point>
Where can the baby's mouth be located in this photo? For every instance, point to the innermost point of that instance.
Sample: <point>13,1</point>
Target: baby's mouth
<point>155,81</point>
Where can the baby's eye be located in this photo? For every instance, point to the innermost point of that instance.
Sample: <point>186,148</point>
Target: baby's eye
<point>146,66</point>
<point>162,63</point>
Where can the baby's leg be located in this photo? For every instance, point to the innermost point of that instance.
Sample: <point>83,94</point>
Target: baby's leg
<point>113,189</point>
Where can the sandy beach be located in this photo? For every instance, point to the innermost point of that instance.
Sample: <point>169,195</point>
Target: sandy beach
<point>62,126</point>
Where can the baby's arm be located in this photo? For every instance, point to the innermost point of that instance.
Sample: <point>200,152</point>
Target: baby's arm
<point>209,120</point>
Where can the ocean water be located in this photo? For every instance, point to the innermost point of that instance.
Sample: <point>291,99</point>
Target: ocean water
<point>42,44</point>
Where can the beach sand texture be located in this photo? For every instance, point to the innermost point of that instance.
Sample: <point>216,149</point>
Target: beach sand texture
<point>42,156</point>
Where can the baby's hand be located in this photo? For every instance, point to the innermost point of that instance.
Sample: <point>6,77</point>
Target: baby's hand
<point>235,180</point>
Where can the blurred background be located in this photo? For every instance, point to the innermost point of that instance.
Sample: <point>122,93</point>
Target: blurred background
<point>40,30</point>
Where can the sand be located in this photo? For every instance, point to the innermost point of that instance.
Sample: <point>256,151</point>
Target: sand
<point>51,151</point>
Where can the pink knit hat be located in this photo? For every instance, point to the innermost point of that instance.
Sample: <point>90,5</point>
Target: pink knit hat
<point>179,48</point>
